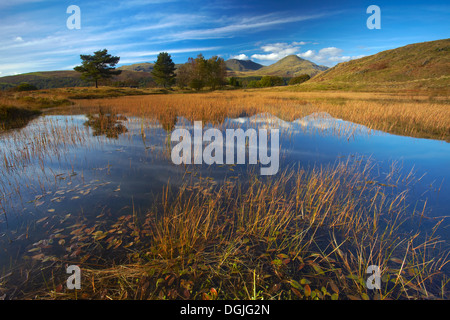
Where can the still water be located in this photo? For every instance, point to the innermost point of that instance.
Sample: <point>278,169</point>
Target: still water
<point>65,166</point>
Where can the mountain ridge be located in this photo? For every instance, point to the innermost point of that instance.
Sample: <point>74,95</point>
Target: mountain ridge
<point>242,65</point>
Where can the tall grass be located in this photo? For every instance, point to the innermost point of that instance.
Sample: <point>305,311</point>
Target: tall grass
<point>416,116</point>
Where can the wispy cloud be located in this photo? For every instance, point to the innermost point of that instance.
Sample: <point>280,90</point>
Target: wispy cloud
<point>246,24</point>
<point>133,54</point>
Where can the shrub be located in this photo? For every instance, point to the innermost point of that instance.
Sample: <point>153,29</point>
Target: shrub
<point>299,79</point>
<point>271,81</point>
<point>233,81</point>
<point>254,84</point>
<point>25,86</point>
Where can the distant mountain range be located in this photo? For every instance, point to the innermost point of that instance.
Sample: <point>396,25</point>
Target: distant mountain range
<point>419,62</point>
<point>289,66</point>
<point>140,73</point>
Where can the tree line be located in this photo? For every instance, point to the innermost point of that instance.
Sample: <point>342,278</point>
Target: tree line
<point>196,73</point>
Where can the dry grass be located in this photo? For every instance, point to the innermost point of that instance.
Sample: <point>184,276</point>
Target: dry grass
<point>417,116</point>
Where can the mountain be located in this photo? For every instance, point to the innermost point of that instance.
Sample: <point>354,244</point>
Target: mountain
<point>425,64</point>
<point>292,66</point>
<point>242,65</point>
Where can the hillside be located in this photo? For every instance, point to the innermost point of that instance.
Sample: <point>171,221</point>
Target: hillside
<point>242,65</point>
<point>415,66</point>
<point>292,66</point>
<point>47,79</point>
<point>61,79</point>
<point>141,67</point>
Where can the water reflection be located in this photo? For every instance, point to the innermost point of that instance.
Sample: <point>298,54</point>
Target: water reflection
<point>106,123</point>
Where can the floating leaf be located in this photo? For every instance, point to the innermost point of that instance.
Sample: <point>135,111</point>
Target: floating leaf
<point>41,220</point>
<point>128,245</point>
<point>38,203</point>
<point>334,287</point>
<point>205,296</point>
<point>305,281</point>
<point>98,235</point>
<point>277,262</point>
<point>282,256</point>
<point>214,293</point>
<point>307,290</point>
<point>295,284</point>
<point>316,268</point>
<point>396,260</point>
<point>75,253</point>
<point>118,243</point>
<point>297,293</point>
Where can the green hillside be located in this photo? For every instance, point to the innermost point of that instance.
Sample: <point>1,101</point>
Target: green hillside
<point>415,66</point>
<point>62,79</point>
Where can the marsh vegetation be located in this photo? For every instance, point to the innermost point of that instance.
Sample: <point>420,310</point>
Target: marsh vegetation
<point>92,184</point>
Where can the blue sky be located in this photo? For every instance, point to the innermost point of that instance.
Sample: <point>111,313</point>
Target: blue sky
<point>34,35</point>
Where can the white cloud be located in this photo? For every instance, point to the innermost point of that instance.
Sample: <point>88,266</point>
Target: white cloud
<point>300,43</point>
<point>327,56</point>
<point>307,55</point>
<point>330,51</point>
<point>241,56</point>
<point>277,51</point>
<point>18,39</point>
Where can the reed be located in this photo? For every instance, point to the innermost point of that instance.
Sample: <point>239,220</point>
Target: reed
<point>305,234</point>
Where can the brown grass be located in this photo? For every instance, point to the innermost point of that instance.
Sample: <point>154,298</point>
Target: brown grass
<point>417,116</point>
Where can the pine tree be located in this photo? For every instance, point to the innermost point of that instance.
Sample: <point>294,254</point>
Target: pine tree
<point>101,65</point>
<point>164,70</point>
